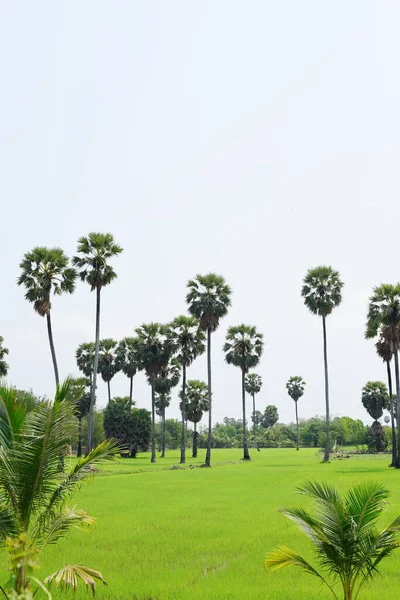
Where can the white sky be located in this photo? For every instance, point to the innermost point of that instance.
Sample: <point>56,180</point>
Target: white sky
<point>255,139</point>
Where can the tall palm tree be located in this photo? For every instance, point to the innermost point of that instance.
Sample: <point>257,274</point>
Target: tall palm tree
<point>108,362</point>
<point>189,339</point>
<point>253,385</point>
<point>209,299</point>
<point>34,493</point>
<point>375,400</point>
<point>167,378</point>
<point>94,252</point>
<point>384,350</point>
<point>384,313</point>
<point>46,271</point>
<point>126,362</point>
<point>295,388</point>
<point>153,350</point>
<point>3,353</point>
<point>347,544</point>
<point>322,292</point>
<point>195,404</point>
<point>243,348</point>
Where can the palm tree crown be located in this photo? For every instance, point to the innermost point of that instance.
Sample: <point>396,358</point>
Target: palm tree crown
<point>154,347</point>
<point>3,353</point>
<point>126,357</point>
<point>209,298</point>
<point>295,387</point>
<point>253,383</point>
<point>322,290</point>
<point>243,347</point>
<point>384,312</point>
<point>108,364</point>
<point>95,250</point>
<point>375,398</point>
<point>168,377</point>
<point>196,400</point>
<point>188,337</point>
<point>84,358</point>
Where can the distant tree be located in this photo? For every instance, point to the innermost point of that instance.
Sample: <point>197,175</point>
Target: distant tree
<point>108,362</point>
<point>270,417</point>
<point>162,401</point>
<point>295,388</point>
<point>253,385</point>
<point>85,359</point>
<point>196,405</point>
<point>94,252</point>
<point>188,338</point>
<point>257,417</point>
<point>126,361</point>
<point>3,353</point>
<point>243,348</point>
<point>46,271</point>
<point>375,400</point>
<point>322,292</point>
<point>384,349</point>
<point>130,426</point>
<point>209,299</point>
<point>167,378</point>
<point>79,396</point>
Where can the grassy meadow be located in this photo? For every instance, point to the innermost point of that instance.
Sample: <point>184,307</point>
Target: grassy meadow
<point>192,534</point>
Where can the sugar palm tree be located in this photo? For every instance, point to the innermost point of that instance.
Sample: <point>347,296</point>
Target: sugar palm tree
<point>46,271</point>
<point>126,362</point>
<point>384,350</point>
<point>94,252</point>
<point>209,299</point>
<point>322,292</point>
<point>34,494</point>
<point>295,388</point>
<point>79,397</point>
<point>85,359</point>
<point>243,348</point>
<point>384,314</point>
<point>348,547</point>
<point>253,385</point>
<point>375,400</point>
<point>108,362</point>
<point>3,353</point>
<point>153,350</point>
<point>196,403</point>
<point>167,378</point>
<point>189,338</point>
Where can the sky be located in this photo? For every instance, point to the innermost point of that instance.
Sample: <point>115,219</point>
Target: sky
<point>252,139</point>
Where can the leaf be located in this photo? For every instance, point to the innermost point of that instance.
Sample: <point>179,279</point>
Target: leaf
<point>69,576</point>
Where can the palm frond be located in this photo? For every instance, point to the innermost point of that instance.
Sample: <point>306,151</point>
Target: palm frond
<point>69,576</point>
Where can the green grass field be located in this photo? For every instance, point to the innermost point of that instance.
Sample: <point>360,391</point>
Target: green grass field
<point>192,534</point>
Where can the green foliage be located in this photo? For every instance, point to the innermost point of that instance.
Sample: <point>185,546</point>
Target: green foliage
<point>168,377</point>
<point>295,387</point>
<point>209,298</point>
<point>98,428</point>
<point>375,398</point>
<point>188,338</point>
<point>131,427</point>
<point>196,400</point>
<point>384,314</point>
<point>93,253</point>
<point>270,416</point>
<point>108,362</point>
<point>253,383</point>
<point>126,360</point>
<point>347,545</point>
<point>322,290</point>
<point>3,363</point>
<point>153,348</point>
<point>85,358</point>
<point>243,347</point>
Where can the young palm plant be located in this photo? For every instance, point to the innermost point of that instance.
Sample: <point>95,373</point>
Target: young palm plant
<point>126,362</point>
<point>253,385</point>
<point>189,338</point>
<point>384,350</point>
<point>196,403</point>
<point>166,380</point>
<point>243,348</point>
<point>348,547</point>
<point>322,292</point>
<point>3,353</point>
<point>108,362</point>
<point>375,400</point>
<point>46,271</point>
<point>209,299</point>
<point>154,349</point>
<point>35,494</point>
<point>94,252</point>
<point>295,388</point>
<point>384,314</point>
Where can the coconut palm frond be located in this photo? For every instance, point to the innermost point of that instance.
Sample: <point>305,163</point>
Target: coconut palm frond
<point>69,576</point>
<point>58,526</point>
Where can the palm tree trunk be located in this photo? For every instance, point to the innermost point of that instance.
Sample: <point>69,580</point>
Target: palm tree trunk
<point>254,420</point>
<point>79,451</point>
<point>109,390</point>
<point>327,445</point>
<point>246,455</point>
<point>297,427</point>
<point>89,444</point>
<point>194,452</point>
<point>208,453</point>
<point>131,393</point>
<point>163,431</point>
<point>153,418</point>
<point>390,388</point>
<point>396,370</point>
<point>53,351</point>
<point>183,435</point>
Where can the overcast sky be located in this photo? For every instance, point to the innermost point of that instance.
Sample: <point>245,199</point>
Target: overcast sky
<point>253,138</point>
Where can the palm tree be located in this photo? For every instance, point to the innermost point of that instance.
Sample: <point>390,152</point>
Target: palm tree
<point>243,348</point>
<point>94,251</point>
<point>375,400</point>
<point>46,271</point>
<point>253,384</point>
<point>153,350</point>
<point>384,314</point>
<point>322,292</point>
<point>209,298</point>
<point>295,387</point>
<point>85,359</point>
<point>384,350</point>
<point>3,353</point>
<point>188,337</point>
<point>167,378</point>
<point>347,544</point>
<point>34,493</point>
<point>108,362</point>
<point>126,362</point>
<point>195,404</point>
<point>80,399</point>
